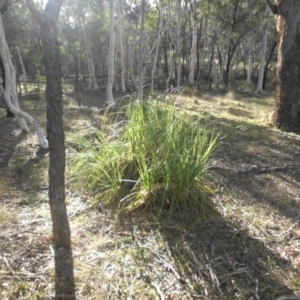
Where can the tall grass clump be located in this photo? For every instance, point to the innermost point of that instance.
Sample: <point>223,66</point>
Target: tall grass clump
<point>158,159</point>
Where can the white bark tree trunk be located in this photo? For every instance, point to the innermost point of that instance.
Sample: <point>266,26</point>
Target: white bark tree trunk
<point>250,68</point>
<point>194,46</point>
<point>24,76</point>
<point>110,79</point>
<point>90,60</point>
<point>250,62</point>
<point>221,65</point>
<point>178,40</point>
<point>259,88</point>
<point>140,61</point>
<point>204,41</point>
<point>131,55</point>
<point>121,26</point>
<point>10,93</point>
<point>116,65</point>
<point>157,44</point>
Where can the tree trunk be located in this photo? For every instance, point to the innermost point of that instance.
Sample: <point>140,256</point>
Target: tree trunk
<point>178,44</point>
<point>267,65</point>
<point>140,61</point>
<point>232,46</point>
<point>194,46</point>
<point>24,77</point>
<point>116,65</point>
<point>260,80</point>
<point>90,60</point>
<point>157,45</point>
<point>210,66</point>
<point>10,91</point>
<point>250,61</point>
<point>287,103</point>
<point>110,79</point>
<point>121,26</point>
<point>64,270</point>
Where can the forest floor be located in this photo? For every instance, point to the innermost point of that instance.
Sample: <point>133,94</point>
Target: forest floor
<point>251,250</point>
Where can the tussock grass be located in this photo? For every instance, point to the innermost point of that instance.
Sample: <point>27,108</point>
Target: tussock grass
<point>157,158</point>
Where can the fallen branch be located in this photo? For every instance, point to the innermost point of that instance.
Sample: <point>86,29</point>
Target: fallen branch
<point>11,271</point>
<point>256,169</point>
<point>252,169</point>
<point>159,292</point>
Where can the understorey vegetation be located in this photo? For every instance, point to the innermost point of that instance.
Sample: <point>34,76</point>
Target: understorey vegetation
<point>148,155</point>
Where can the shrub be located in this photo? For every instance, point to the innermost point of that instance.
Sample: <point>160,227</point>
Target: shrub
<point>157,159</point>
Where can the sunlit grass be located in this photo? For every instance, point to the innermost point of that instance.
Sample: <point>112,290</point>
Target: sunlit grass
<point>157,159</point>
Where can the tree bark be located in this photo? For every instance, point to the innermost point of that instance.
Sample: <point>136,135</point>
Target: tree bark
<point>90,60</point>
<point>211,65</point>
<point>121,26</point>
<point>232,45</point>
<point>24,76</point>
<point>10,92</point>
<point>140,62</point>
<point>64,270</point>
<point>157,45</point>
<point>250,60</point>
<point>194,46</point>
<point>287,100</point>
<point>267,65</point>
<point>110,79</point>
<point>178,45</point>
<point>260,80</point>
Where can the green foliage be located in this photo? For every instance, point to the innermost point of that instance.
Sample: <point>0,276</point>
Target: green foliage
<point>158,159</point>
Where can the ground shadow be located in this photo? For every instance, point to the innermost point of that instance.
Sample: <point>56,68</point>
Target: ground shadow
<point>246,155</point>
<point>213,259</point>
<point>64,272</point>
<point>10,137</point>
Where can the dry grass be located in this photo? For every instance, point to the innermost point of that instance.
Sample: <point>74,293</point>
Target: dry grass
<point>251,250</point>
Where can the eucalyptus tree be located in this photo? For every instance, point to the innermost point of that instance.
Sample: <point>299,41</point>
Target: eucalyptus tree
<point>120,15</point>
<point>234,20</point>
<point>287,103</point>
<point>261,73</point>
<point>24,74</point>
<point>110,79</point>
<point>194,44</point>
<point>89,56</point>
<point>140,54</point>
<point>47,20</point>
<point>178,41</point>
<point>160,9</point>
<point>72,48</point>
<point>81,23</point>
<point>250,48</point>
<point>10,91</point>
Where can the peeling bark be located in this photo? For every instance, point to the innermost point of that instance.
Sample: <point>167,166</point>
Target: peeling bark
<point>287,102</point>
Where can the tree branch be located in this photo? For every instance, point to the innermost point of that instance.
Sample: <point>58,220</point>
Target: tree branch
<point>52,9</point>
<point>35,12</point>
<point>273,7</point>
